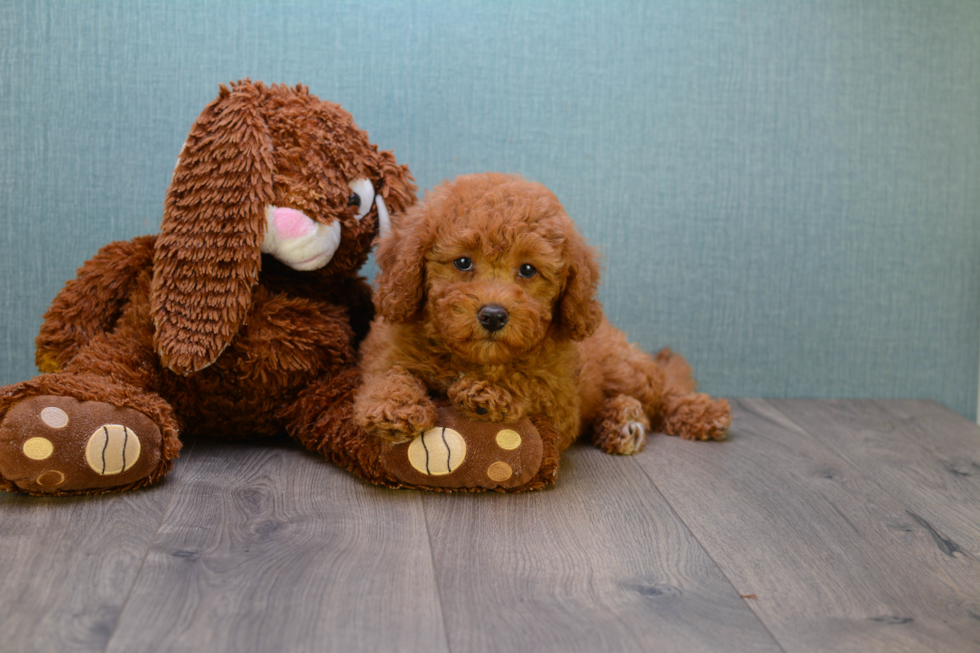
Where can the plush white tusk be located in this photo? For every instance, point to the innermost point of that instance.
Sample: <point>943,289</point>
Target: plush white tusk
<point>384,221</point>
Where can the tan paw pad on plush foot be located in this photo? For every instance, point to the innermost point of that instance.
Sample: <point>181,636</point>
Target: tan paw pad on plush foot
<point>467,454</point>
<point>112,449</point>
<point>437,452</point>
<point>53,444</point>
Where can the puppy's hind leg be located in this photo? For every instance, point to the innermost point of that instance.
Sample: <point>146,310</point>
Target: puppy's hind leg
<point>621,426</point>
<point>662,384</point>
<point>696,416</point>
<point>622,387</point>
<point>685,413</point>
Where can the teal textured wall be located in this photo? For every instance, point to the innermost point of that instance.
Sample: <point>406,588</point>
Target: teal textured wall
<point>788,193</point>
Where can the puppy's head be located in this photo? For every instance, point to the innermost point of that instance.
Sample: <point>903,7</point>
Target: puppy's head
<point>266,170</point>
<point>492,265</point>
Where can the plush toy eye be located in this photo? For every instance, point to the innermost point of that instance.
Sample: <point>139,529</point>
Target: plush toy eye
<point>362,197</point>
<point>463,264</point>
<point>527,271</point>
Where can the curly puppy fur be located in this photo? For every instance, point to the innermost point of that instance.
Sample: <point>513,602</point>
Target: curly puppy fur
<point>466,247</point>
<point>201,328</point>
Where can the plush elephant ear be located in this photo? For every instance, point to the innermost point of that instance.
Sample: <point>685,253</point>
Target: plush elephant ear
<point>208,254</point>
<point>399,187</point>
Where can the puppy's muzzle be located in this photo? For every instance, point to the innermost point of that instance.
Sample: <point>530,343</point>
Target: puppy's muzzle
<point>492,317</point>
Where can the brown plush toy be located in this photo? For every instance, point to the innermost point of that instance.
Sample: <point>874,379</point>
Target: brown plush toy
<point>241,317</point>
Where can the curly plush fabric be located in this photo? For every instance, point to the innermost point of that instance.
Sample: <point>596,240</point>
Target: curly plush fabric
<point>197,329</point>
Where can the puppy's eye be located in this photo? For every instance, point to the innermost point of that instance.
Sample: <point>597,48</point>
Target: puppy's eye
<point>362,196</point>
<point>527,271</point>
<point>463,264</point>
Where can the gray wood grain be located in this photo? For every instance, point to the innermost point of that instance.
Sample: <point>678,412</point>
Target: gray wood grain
<point>850,525</point>
<point>598,563</point>
<point>953,439</point>
<point>835,561</point>
<point>268,548</point>
<point>68,564</point>
<point>939,491</point>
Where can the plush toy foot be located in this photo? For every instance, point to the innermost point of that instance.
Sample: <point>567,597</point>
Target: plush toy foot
<point>464,454</point>
<point>622,426</point>
<point>697,417</point>
<point>60,445</point>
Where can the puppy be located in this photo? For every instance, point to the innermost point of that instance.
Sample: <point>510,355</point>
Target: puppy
<point>487,295</point>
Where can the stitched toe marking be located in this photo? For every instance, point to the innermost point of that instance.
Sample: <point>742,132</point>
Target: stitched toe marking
<point>38,448</point>
<point>54,417</point>
<point>112,449</point>
<point>437,452</point>
<point>500,472</point>
<point>508,439</point>
<point>50,478</point>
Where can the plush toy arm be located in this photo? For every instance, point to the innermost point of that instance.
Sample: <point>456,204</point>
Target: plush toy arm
<point>289,339</point>
<point>360,307</point>
<point>92,302</point>
<point>495,458</point>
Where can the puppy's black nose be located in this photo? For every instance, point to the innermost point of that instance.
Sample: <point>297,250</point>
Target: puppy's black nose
<point>492,317</point>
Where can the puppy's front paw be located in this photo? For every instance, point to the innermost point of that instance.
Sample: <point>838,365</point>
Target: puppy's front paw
<point>485,401</point>
<point>394,421</point>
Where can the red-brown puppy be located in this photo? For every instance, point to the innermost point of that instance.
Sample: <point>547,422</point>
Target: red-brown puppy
<point>487,295</point>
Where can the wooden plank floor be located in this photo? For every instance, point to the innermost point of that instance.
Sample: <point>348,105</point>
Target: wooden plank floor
<point>817,526</point>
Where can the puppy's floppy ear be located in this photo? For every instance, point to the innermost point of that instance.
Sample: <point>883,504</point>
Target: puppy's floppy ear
<point>578,312</point>
<point>208,256</point>
<point>400,284</point>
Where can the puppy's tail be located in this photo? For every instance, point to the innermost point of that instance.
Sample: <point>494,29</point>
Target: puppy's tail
<point>678,375</point>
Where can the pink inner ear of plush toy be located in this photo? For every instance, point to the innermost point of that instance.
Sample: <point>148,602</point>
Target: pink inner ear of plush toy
<point>291,223</point>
